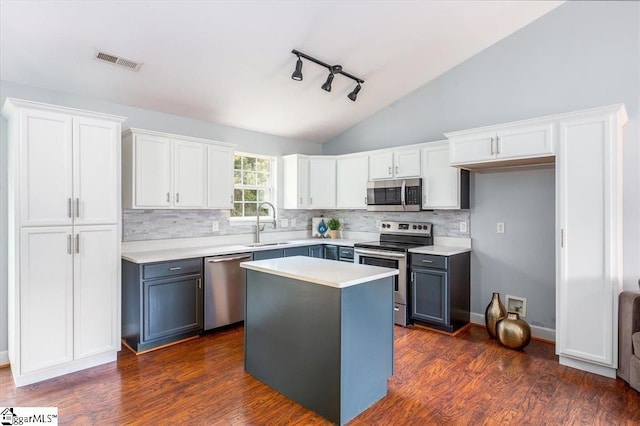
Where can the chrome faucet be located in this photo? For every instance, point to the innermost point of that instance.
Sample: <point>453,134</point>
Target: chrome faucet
<point>258,229</point>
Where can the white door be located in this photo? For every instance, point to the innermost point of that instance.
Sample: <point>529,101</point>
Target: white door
<point>96,176</point>
<point>96,288</point>
<point>190,161</point>
<point>381,166</point>
<point>322,183</point>
<point>474,148</point>
<point>441,182</point>
<point>585,287</point>
<point>406,163</point>
<point>219,178</point>
<point>527,141</point>
<point>351,184</point>
<point>153,171</point>
<point>46,297</point>
<point>46,169</point>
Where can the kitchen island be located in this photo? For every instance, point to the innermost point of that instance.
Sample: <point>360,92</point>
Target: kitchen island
<point>320,332</point>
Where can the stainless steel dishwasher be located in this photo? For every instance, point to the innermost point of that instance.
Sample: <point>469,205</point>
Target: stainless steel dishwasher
<point>224,290</point>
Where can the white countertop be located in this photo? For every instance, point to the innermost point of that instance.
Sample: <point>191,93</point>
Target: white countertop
<point>320,271</point>
<point>440,250</point>
<point>162,255</point>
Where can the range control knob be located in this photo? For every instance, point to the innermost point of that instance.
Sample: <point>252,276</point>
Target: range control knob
<point>419,226</point>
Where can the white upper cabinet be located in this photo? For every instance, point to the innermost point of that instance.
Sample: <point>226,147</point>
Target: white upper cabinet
<point>352,174</point>
<point>219,177</point>
<point>96,177</point>
<point>295,182</point>
<point>443,186</point>
<point>151,160</point>
<point>504,145</point>
<point>47,191</point>
<point>70,169</point>
<point>322,183</point>
<point>164,171</point>
<point>395,164</point>
<point>190,175</point>
<point>309,182</point>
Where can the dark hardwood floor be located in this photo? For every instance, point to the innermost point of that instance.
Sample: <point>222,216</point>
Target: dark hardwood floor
<point>468,379</point>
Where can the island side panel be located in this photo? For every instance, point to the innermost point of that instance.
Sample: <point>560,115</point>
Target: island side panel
<point>292,340</point>
<point>367,345</point>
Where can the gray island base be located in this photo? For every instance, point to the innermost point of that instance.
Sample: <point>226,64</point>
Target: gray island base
<point>320,332</point>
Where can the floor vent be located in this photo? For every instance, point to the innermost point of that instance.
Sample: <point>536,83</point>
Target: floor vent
<point>117,61</point>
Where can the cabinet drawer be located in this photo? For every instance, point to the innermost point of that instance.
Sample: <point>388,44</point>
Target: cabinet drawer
<point>429,261</point>
<point>170,269</point>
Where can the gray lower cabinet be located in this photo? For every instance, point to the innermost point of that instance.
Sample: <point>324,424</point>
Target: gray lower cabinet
<point>296,251</point>
<point>439,290</point>
<point>316,251</point>
<point>331,252</point>
<point>286,252</point>
<point>161,302</point>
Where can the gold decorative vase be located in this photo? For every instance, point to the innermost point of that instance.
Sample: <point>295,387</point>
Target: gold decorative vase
<point>513,332</point>
<point>495,311</point>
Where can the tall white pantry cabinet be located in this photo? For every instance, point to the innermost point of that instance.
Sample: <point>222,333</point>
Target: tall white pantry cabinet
<point>64,233</point>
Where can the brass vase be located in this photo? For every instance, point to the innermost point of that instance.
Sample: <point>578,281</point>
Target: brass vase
<point>513,332</point>
<point>495,311</point>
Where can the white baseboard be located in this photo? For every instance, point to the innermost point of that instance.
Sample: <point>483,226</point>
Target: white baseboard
<point>4,358</point>
<point>536,331</point>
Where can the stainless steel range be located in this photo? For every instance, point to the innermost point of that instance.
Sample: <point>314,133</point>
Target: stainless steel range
<point>392,251</point>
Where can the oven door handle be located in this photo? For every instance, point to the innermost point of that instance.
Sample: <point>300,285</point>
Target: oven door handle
<point>380,254</point>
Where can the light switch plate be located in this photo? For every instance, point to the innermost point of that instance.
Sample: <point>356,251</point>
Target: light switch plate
<point>293,223</point>
<point>215,226</point>
<point>500,228</point>
<point>284,223</point>
<point>463,226</point>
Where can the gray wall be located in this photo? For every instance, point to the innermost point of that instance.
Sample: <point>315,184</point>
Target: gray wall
<point>520,262</point>
<point>580,55</point>
<point>246,140</point>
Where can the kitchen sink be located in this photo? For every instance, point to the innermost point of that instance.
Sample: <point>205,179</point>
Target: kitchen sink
<point>267,244</point>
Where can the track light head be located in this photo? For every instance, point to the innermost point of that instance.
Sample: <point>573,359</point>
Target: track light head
<point>297,74</point>
<point>327,84</point>
<point>354,95</point>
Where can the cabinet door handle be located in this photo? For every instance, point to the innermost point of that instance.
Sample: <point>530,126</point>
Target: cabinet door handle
<point>427,261</point>
<point>396,169</point>
<point>300,200</point>
<point>413,277</point>
<point>200,283</point>
<point>168,197</point>
<point>396,309</point>
<point>561,237</point>
<point>68,243</point>
<point>78,243</point>
<point>78,207</point>
<point>311,201</point>
<point>498,145</point>
<point>492,145</point>
<point>231,199</point>
<point>175,268</point>
<point>177,197</point>
<point>69,207</point>
<point>389,170</point>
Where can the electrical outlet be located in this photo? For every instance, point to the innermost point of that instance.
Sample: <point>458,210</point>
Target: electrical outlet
<point>284,223</point>
<point>293,223</point>
<point>215,226</point>
<point>463,226</point>
<point>378,224</point>
<point>500,228</point>
<point>517,304</point>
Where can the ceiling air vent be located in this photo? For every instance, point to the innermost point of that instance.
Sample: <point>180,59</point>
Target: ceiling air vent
<point>117,61</point>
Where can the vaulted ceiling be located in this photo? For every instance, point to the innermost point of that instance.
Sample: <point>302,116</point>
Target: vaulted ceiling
<point>230,62</point>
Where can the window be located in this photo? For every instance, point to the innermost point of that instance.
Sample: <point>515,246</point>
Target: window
<point>253,184</point>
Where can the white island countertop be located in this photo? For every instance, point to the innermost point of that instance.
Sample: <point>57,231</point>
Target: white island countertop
<point>320,271</point>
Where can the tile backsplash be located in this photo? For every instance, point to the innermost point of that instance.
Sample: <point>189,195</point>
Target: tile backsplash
<point>139,225</point>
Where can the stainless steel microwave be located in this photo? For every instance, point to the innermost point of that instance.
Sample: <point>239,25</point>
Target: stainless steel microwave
<point>394,195</point>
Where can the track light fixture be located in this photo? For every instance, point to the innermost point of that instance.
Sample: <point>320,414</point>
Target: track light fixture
<point>297,74</point>
<point>333,70</point>
<point>354,95</point>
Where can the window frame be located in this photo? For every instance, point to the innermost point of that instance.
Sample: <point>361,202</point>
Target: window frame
<point>271,186</point>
